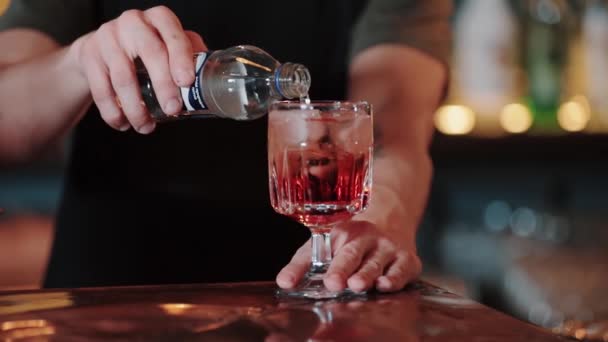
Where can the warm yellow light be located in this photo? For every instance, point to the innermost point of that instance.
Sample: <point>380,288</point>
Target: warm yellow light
<point>176,308</point>
<point>4,5</point>
<point>583,101</point>
<point>29,334</point>
<point>572,116</point>
<point>35,302</point>
<point>33,323</point>
<point>515,118</point>
<point>455,119</point>
<point>26,329</point>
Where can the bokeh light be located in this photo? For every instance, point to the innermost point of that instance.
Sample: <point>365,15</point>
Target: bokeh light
<point>455,119</point>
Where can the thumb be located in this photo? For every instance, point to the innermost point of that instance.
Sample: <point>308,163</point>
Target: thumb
<point>291,274</point>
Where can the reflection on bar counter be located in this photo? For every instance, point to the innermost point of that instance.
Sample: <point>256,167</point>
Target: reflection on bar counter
<point>537,67</point>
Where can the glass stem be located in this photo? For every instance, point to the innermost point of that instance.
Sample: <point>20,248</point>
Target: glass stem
<point>321,252</point>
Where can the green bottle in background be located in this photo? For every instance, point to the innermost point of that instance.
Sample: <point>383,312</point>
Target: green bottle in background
<point>546,37</point>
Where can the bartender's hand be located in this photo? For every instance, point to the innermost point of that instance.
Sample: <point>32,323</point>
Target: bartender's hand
<point>106,58</point>
<point>364,257</point>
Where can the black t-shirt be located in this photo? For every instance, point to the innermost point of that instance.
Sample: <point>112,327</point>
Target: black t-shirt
<point>189,203</point>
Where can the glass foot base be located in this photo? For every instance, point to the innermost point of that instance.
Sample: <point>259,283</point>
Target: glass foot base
<point>312,287</point>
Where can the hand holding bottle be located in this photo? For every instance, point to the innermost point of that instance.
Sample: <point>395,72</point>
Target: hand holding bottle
<point>106,58</point>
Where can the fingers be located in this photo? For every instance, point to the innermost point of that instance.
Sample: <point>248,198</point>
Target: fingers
<point>347,259</point>
<point>103,94</point>
<point>365,259</point>
<point>372,268</point>
<point>403,269</point>
<point>123,79</point>
<point>139,39</point>
<point>177,42</point>
<point>291,274</point>
<point>155,37</point>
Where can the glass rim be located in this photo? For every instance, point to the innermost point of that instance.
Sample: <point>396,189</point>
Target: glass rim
<point>356,106</point>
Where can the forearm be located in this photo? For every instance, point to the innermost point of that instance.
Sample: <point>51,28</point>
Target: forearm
<point>399,196</point>
<point>41,96</point>
<point>404,86</point>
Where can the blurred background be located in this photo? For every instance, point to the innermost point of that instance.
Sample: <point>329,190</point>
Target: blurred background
<point>518,215</point>
<point>517,218</point>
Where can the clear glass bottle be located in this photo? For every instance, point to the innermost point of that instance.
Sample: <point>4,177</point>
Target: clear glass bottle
<point>236,83</point>
<point>594,36</point>
<point>486,73</point>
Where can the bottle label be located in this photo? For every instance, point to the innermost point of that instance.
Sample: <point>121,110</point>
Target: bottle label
<point>193,96</point>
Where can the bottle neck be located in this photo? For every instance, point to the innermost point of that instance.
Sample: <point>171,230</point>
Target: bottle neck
<point>292,80</point>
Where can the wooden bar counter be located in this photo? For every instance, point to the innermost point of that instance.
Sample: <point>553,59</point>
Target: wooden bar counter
<point>251,312</point>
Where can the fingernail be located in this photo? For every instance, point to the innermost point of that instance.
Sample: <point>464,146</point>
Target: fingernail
<point>124,127</point>
<point>383,283</point>
<point>356,283</point>
<point>147,128</point>
<point>286,283</point>
<point>184,77</point>
<point>285,280</point>
<point>173,106</point>
<point>334,282</point>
